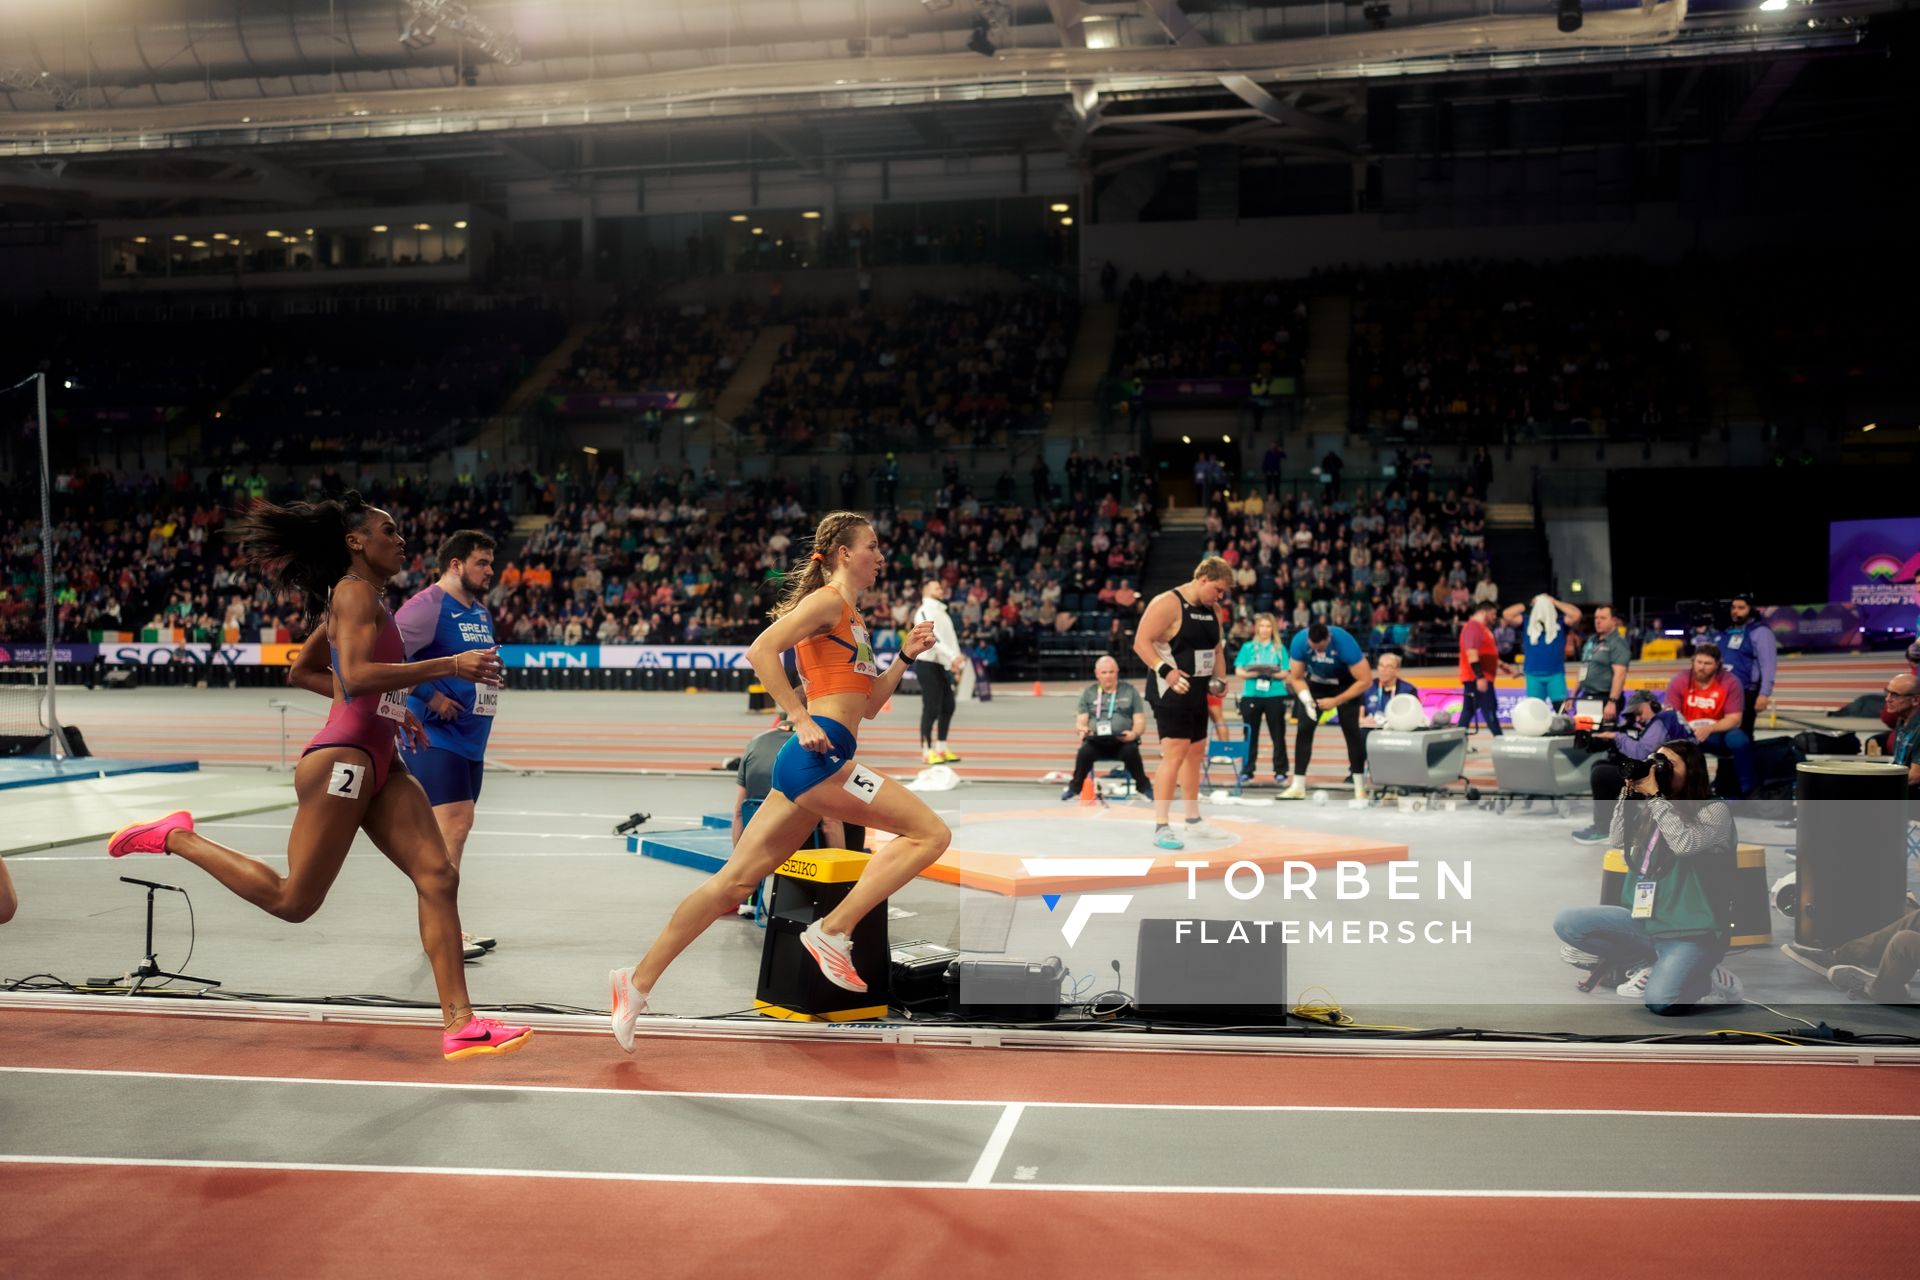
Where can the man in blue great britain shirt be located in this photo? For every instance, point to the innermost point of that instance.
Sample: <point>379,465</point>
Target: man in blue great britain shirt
<point>448,617</point>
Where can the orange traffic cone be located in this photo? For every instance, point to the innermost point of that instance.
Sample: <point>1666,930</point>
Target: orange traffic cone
<point>1088,795</point>
<point>1038,691</point>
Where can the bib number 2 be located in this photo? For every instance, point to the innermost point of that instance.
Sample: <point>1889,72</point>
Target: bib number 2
<point>346,779</point>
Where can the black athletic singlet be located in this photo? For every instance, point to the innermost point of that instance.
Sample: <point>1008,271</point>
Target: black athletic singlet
<point>1192,648</point>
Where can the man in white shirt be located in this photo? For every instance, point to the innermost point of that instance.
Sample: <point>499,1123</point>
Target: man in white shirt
<point>937,671</point>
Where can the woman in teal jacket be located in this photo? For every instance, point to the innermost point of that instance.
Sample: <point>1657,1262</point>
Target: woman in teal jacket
<point>1264,696</point>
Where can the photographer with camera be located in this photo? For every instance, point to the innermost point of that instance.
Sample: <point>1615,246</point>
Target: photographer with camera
<point>1643,729</point>
<point>1112,717</point>
<point>1712,703</point>
<point>1664,942</point>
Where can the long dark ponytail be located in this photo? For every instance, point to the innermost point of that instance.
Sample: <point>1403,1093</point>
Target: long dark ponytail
<point>302,547</point>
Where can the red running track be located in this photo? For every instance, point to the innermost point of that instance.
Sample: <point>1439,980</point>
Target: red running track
<point>70,1221</point>
<point>98,1219</point>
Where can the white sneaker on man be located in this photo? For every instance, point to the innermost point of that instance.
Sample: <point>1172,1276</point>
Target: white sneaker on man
<point>1635,987</point>
<point>479,940</point>
<point>1204,830</point>
<point>1297,789</point>
<point>1576,957</point>
<point>1726,988</point>
<point>629,1003</point>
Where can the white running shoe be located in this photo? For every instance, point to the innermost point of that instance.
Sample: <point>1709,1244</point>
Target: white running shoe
<point>1204,830</point>
<point>833,952</point>
<point>1297,789</point>
<point>479,940</point>
<point>629,1003</point>
<point>1635,987</point>
<point>1576,957</point>
<point>1726,988</point>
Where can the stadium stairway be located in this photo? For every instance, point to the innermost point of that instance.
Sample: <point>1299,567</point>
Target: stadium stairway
<point>537,383</point>
<point>1076,409</point>
<point>1176,549</point>
<point>1329,333</point>
<point>1517,552</point>
<point>737,396</point>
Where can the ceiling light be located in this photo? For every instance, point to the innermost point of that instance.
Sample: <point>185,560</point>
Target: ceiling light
<point>219,235</point>
<point>759,231</point>
<point>587,448</point>
<point>738,217</point>
<point>379,226</point>
<point>1869,427</point>
<point>1059,206</point>
<point>200,244</point>
<point>1773,6</point>
<point>309,231</point>
<point>423,226</point>
<point>273,235</point>
<point>460,225</point>
<point>1066,222</point>
<point>1186,439</point>
<point>139,239</point>
<point>811,213</point>
<point>1226,439</point>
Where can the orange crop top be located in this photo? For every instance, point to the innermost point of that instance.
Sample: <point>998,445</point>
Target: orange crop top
<point>841,661</point>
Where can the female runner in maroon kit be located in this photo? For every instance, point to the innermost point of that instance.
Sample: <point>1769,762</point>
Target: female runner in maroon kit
<point>335,553</point>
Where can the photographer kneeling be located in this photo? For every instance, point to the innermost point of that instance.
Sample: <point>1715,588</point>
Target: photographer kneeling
<point>1663,943</point>
<point>1644,728</point>
<point>1112,717</point>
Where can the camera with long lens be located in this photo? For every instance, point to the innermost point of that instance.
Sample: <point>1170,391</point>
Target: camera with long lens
<point>1660,766</point>
<point>1590,740</point>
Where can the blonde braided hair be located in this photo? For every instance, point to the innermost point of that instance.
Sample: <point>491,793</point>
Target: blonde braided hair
<point>837,529</point>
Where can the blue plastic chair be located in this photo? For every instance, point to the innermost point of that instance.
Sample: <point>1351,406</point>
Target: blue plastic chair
<point>1227,751</point>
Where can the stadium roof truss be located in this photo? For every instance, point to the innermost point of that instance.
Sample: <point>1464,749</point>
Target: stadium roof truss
<point>158,101</point>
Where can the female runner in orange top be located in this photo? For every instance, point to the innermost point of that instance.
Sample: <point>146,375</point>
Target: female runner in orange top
<point>815,775</point>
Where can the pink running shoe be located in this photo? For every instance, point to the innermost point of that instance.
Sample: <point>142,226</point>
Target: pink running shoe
<point>482,1035</point>
<point>148,837</point>
<point>833,952</point>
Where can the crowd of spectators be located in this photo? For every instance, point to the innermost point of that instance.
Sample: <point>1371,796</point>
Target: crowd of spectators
<point>1400,569</point>
<point>149,553</point>
<point>961,370</point>
<point>636,347</point>
<point>1491,351</point>
<point>664,558</point>
<point>685,562</point>
<point>1188,328</point>
<point>392,380</point>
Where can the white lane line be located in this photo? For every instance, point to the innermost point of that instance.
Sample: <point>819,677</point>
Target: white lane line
<point>989,1161</point>
<point>904,1184</point>
<point>722,1095</point>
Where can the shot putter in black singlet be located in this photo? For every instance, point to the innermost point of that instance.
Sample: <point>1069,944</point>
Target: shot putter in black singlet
<point>1193,650</point>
